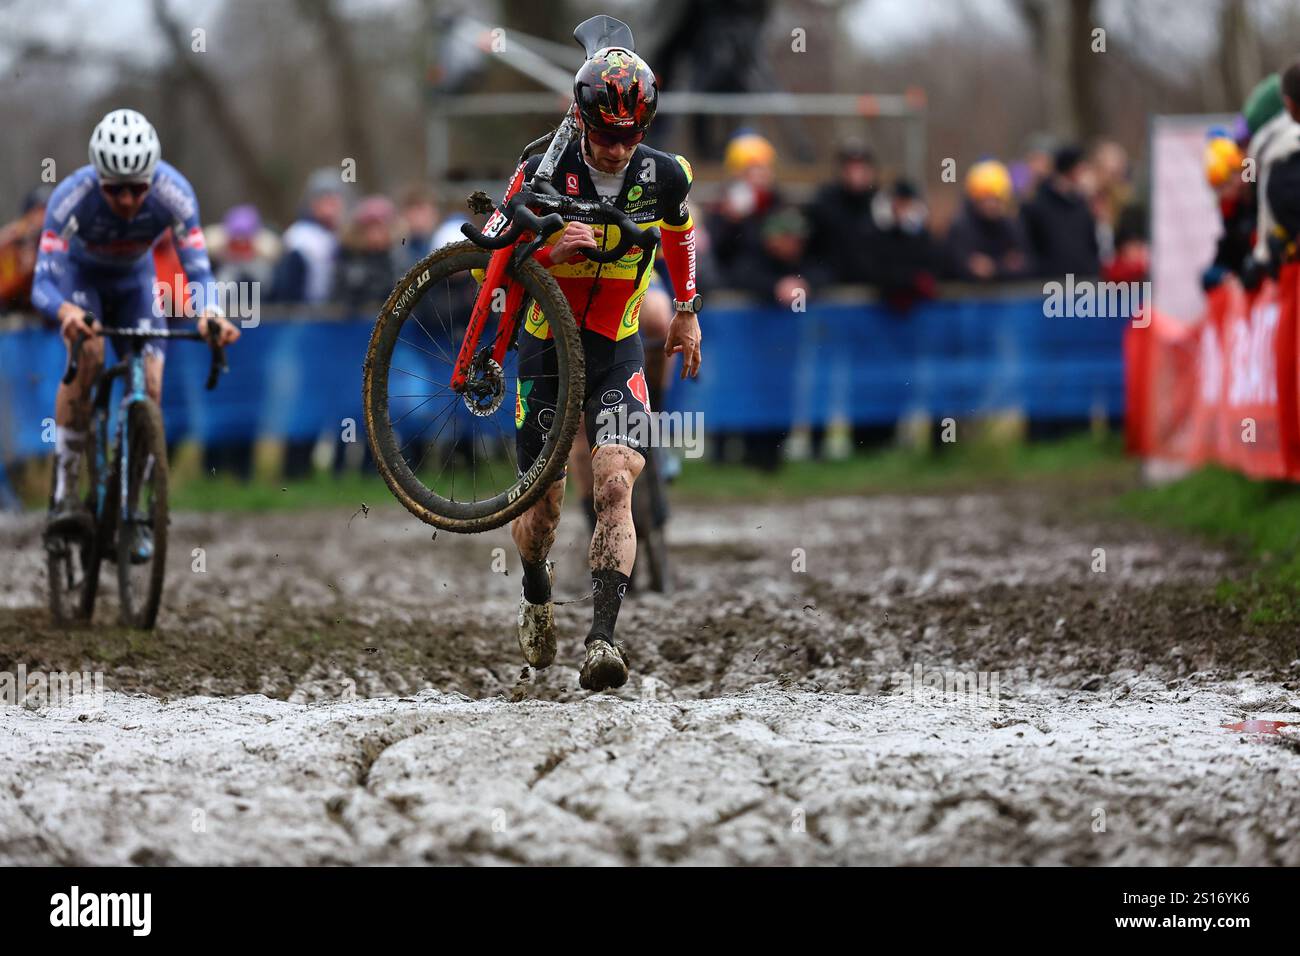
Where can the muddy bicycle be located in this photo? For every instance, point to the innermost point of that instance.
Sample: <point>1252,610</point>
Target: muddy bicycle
<point>125,494</point>
<point>441,360</point>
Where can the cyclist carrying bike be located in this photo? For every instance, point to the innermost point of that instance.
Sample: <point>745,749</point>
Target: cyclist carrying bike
<point>615,98</point>
<point>101,225</point>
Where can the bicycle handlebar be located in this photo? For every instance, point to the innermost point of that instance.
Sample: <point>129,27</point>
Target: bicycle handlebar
<point>217,366</point>
<point>522,218</point>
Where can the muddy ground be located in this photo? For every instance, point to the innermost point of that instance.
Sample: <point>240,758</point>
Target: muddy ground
<point>344,687</point>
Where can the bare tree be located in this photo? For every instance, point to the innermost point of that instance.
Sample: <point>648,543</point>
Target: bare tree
<point>1062,36</point>
<point>1239,57</point>
<point>349,88</point>
<point>235,139</point>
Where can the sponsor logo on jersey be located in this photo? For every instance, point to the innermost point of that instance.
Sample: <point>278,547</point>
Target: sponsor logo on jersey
<point>178,202</point>
<point>633,311</point>
<point>689,242</point>
<point>612,396</point>
<point>524,389</point>
<point>119,248</point>
<point>634,193</point>
<point>686,167</point>
<point>64,209</point>
<point>53,242</point>
<point>191,240</point>
<point>571,183</point>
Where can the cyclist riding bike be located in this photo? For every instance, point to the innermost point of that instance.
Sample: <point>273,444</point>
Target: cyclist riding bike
<point>615,98</point>
<point>95,257</point>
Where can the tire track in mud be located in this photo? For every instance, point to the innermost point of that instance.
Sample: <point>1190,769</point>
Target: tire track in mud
<point>770,776</point>
<point>772,715</point>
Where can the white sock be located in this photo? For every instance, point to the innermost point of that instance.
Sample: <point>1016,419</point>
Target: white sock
<point>69,446</point>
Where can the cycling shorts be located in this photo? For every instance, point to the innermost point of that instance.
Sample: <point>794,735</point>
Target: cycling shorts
<point>615,402</point>
<point>120,300</point>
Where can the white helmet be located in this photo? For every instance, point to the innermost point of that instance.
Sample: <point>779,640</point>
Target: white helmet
<point>124,147</point>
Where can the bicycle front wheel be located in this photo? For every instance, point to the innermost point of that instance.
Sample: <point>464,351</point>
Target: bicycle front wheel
<point>449,456</point>
<point>142,527</point>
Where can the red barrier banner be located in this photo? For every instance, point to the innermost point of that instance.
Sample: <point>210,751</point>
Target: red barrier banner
<point>1160,387</point>
<point>1288,366</point>
<point>1225,389</point>
<point>1250,437</point>
<point>1208,375</point>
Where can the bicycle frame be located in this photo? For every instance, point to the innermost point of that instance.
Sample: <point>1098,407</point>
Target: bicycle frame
<point>495,278</point>
<point>516,231</point>
<point>131,369</point>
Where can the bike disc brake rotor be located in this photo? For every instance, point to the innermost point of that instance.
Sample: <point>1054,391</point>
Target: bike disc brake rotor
<point>486,386</point>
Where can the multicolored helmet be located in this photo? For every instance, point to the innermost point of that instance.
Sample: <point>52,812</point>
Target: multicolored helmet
<point>615,91</point>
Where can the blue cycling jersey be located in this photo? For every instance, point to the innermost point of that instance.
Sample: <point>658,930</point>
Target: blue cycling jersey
<point>85,246</point>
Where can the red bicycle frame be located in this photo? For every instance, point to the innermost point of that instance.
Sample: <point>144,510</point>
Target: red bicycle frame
<point>495,278</point>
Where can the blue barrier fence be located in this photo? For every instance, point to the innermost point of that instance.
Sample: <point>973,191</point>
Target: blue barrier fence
<point>763,369</point>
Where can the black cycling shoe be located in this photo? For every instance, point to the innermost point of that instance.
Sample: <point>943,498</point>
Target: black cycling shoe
<point>605,667</point>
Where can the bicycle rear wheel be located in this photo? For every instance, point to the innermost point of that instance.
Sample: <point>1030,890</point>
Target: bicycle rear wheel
<point>447,456</point>
<point>72,561</point>
<point>142,531</point>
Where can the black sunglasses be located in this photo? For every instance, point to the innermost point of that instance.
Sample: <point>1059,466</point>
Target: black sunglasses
<point>607,139</point>
<point>117,189</point>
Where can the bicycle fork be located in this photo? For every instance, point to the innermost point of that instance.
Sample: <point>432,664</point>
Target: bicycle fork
<point>494,280</point>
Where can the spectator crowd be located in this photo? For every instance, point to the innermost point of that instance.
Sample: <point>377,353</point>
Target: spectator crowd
<point>1058,209</point>
<point>1254,169</point>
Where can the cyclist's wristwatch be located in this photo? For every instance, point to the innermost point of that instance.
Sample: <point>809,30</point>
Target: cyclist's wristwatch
<point>694,304</point>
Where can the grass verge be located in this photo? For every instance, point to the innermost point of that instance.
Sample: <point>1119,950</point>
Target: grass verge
<point>1260,517</point>
<point>1080,458</point>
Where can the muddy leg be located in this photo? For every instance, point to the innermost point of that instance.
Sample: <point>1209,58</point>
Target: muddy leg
<point>534,534</point>
<point>613,546</point>
<point>72,419</point>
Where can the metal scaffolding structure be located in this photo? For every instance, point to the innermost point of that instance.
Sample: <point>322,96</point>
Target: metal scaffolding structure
<point>531,56</point>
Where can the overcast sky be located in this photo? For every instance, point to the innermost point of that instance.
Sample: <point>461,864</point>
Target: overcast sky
<point>876,25</point>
